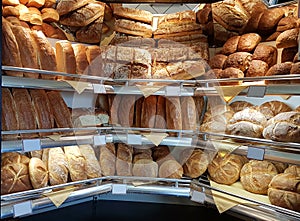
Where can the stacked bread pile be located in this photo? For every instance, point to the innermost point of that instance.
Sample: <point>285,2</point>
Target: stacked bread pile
<point>33,14</point>
<point>84,18</point>
<point>47,167</point>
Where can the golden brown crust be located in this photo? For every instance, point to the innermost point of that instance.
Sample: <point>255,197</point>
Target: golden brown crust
<point>133,14</point>
<point>160,118</point>
<point>240,105</point>
<point>145,168</point>
<point>173,113</point>
<point>57,166</point>
<point>170,169</point>
<point>272,108</point>
<point>107,159</point>
<point>266,53</point>
<point>270,19</point>
<point>183,17</point>
<point>240,60</point>
<point>248,42</point>
<point>149,112</point>
<point>288,38</point>
<point>257,68</point>
<point>133,28</point>
<point>65,58</point>
<point>188,111</point>
<point>38,173</point>
<point>124,160</point>
<point>81,58</point>
<point>76,162</point>
<point>217,61</point>
<point>92,165</point>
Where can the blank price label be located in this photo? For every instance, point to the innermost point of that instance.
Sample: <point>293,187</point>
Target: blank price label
<point>256,91</point>
<point>31,145</point>
<point>119,189</point>
<point>256,153</point>
<point>198,197</point>
<point>21,209</point>
<point>99,140</point>
<point>99,88</point>
<point>173,91</point>
<point>134,139</point>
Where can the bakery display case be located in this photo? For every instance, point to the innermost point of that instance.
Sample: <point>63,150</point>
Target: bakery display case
<point>192,105</point>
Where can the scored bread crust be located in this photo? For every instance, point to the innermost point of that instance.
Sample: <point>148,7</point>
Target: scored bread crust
<point>133,28</point>
<point>133,14</point>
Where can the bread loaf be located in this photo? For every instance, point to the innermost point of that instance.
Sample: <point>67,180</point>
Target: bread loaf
<point>270,19</point>
<point>256,14</point>
<point>256,175</point>
<point>145,168</point>
<point>57,166</point>
<point>126,110</point>
<point>248,42</point>
<point>149,112</point>
<point>38,173</point>
<point>170,169</point>
<point>272,108</point>
<point>293,169</point>
<point>257,68</point>
<point>76,162</point>
<point>133,28</point>
<point>232,72</point>
<point>114,101</point>
<point>91,33</point>
<point>15,158</point>
<point>284,191</point>
<point>286,23</point>
<point>288,54</point>
<point>230,46</point>
<point>93,56</point>
<point>266,53</point>
<point>188,111</point>
<point>288,38</point>
<point>25,112</point>
<point>50,15</point>
<point>279,69</point>
<point>240,105</point>
<point>225,169</point>
<point>10,120</point>
<point>240,60</point>
<point>92,165</point>
<point>160,118</point>
<point>81,58</point>
<point>173,113</point>
<point>107,159</point>
<point>183,17</point>
<point>15,178</point>
<point>65,58</point>
<point>161,154</point>
<point>65,6</point>
<point>133,14</point>
<point>124,160</point>
<point>42,109</point>
<point>217,61</point>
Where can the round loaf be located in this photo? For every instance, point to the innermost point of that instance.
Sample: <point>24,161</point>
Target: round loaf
<point>256,175</point>
<point>145,168</point>
<point>256,14</point>
<point>272,108</point>
<point>295,70</point>
<point>284,191</point>
<point>288,38</point>
<point>231,72</point>
<point>287,23</point>
<point>225,169</point>
<point>270,19</point>
<point>15,158</point>
<point>170,169</point>
<point>279,69</point>
<point>240,105</point>
<point>38,173</point>
<point>266,53</point>
<point>280,166</point>
<point>283,127</point>
<point>240,60</point>
<point>194,162</point>
<point>288,54</point>
<point>257,68</point>
<point>217,61</point>
<point>248,42</point>
<point>230,46</point>
<point>293,169</point>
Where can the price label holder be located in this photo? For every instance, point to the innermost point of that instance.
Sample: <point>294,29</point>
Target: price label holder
<point>255,153</point>
<point>134,139</point>
<point>173,91</point>
<point>198,197</point>
<point>22,209</point>
<point>119,189</point>
<point>31,145</point>
<point>256,91</point>
<point>99,88</point>
<point>99,140</point>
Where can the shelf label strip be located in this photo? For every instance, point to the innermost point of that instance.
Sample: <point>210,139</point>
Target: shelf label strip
<point>21,209</point>
<point>99,140</point>
<point>134,139</point>
<point>255,153</point>
<point>198,197</point>
<point>31,145</point>
<point>119,189</point>
<point>256,91</point>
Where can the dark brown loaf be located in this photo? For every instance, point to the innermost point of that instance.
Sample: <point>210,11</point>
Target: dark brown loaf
<point>288,38</point>
<point>76,162</point>
<point>126,110</point>
<point>248,42</point>
<point>133,14</point>
<point>173,113</point>
<point>66,6</point>
<point>270,19</point>
<point>230,72</point>
<point>279,69</point>
<point>256,13</point>
<point>266,53</point>
<point>284,191</point>
<point>38,173</point>
<point>230,46</point>
<point>188,111</point>
<point>149,112</point>
<point>91,33</point>
<point>295,70</point>
<point>25,111</point>
<point>10,119</point>
<point>217,61</point>
<point>114,101</point>
<point>160,118</point>
<point>240,60</point>
<point>57,166</point>
<point>288,54</point>
<point>107,159</point>
<point>257,68</point>
<point>256,175</point>
<point>287,23</point>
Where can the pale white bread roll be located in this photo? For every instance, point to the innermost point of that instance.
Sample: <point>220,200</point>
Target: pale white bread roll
<point>81,58</point>
<point>256,175</point>
<point>58,166</point>
<point>133,28</point>
<point>65,58</point>
<point>27,48</point>
<point>65,6</point>
<point>133,14</point>
<point>46,54</point>
<point>38,173</point>
<point>76,162</point>
<point>284,191</point>
<point>10,120</point>
<point>145,168</point>
<point>107,159</point>
<point>92,165</point>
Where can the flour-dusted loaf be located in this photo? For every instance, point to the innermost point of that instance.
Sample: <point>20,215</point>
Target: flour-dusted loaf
<point>240,105</point>
<point>76,162</point>
<point>15,157</point>
<point>272,108</point>
<point>38,173</point>
<point>92,165</point>
<point>58,166</point>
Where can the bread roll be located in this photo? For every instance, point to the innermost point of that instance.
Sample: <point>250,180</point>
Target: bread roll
<point>230,46</point>
<point>173,113</point>
<point>35,3</point>
<point>58,166</point>
<point>124,160</point>
<point>25,112</point>
<point>38,173</point>
<point>272,108</point>
<point>49,3</point>
<point>270,19</point>
<point>266,53</point>
<point>194,162</point>
<point>240,60</point>
<point>170,169</point>
<point>256,175</point>
<point>107,159</point>
<point>133,14</point>
<point>188,111</point>
<point>65,6</point>
<point>76,162</point>
<point>232,72</point>
<point>145,168</point>
<point>217,61</point>
<point>288,54</point>
<point>133,28</point>
<point>286,23</point>
<point>15,178</point>
<point>225,169</point>
<point>283,127</point>
<point>10,120</point>
<point>126,110</point>
<point>257,68</point>
<point>240,105</point>
<point>42,109</point>
<point>293,169</point>
<point>65,58</point>
<point>149,112</point>
<point>284,191</point>
<point>288,38</point>
<point>248,42</point>
<point>248,122</point>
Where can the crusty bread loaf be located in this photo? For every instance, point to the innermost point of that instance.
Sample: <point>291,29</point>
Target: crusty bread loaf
<point>284,191</point>
<point>145,168</point>
<point>225,169</point>
<point>15,178</point>
<point>160,118</point>
<point>288,54</point>
<point>170,169</point>
<point>76,162</point>
<point>240,105</point>
<point>133,14</point>
<point>256,175</point>
<point>183,17</point>
<point>10,120</point>
<point>283,127</point>
<point>240,60</point>
<point>65,58</point>
<point>270,19</point>
<point>11,2</point>
<point>161,154</point>
<point>57,166</point>
<point>42,109</point>
<point>15,158</point>
<point>148,112</point>
<point>217,61</point>
<point>279,69</point>
<point>173,113</point>
<point>65,6</point>
<point>124,160</point>
<point>256,13</point>
<point>126,110</point>
<point>114,101</point>
<point>248,42</point>
<point>38,173</point>
<point>288,38</point>
<point>91,33</point>
<point>232,72</point>
<point>293,169</point>
<point>194,162</point>
<point>107,159</point>
<point>133,28</point>
<point>272,108</point>
<point>280,166</point>
<point>257,68</point>
<point>93,53</point>
<point>230,46</point>
<point>141,156</point>
<point>50,15</point>
<point>92,165</point>
<point>25,111</point>
<point>35,3</point>
<point>188,111</point>
<point>248,122</point>
<point>81,58</point>
<point>287,23</point>
<point>266,53</point>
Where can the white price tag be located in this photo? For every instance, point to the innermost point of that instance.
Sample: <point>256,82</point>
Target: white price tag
<point>21,209</point>
<point>198,197</point>
<point>134,139</point>
<point>256,91</point>
<point>173,91</point>
<point>99,140</point>
<point>256,153</point>
<point>31,145</point>
<point>99,88</point>
<point>119,189</point>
